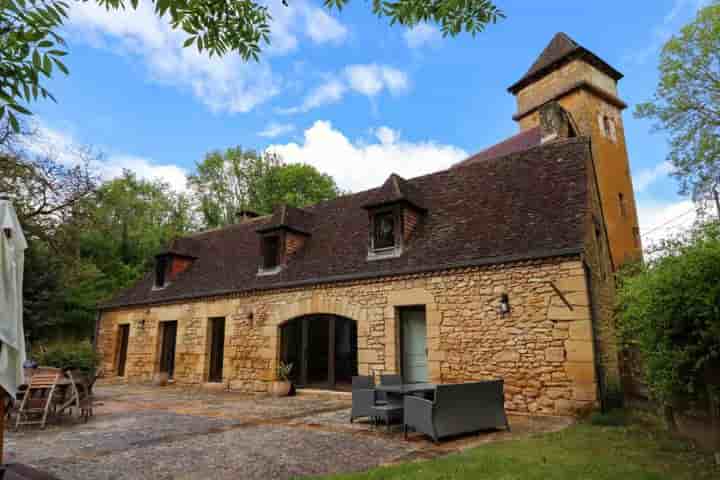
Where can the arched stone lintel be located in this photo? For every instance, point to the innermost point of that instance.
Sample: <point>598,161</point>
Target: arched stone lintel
<point>318,305</point>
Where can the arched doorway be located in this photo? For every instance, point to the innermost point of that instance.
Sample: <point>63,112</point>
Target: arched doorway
<point>322,350</point>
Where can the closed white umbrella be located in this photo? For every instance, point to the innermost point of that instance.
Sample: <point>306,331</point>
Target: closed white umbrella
<point>12,340</point>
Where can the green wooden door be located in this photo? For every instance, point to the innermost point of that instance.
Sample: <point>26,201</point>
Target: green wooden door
<point>414,343</point>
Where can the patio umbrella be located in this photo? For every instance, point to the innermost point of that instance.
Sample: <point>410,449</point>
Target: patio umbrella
<point>12,340</point>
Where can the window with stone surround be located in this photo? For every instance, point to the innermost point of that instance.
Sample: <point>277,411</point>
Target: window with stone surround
<point>607,125</point>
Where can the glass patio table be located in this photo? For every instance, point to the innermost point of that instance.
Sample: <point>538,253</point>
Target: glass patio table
<point>406,388</point>
<point>395,393</point>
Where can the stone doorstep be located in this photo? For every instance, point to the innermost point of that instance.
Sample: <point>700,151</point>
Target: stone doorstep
<point>319,392</point>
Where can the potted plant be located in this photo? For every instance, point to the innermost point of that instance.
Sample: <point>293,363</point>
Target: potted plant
<point>281,386</point>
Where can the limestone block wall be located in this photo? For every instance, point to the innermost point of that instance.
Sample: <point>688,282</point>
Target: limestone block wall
<point>543,348</point>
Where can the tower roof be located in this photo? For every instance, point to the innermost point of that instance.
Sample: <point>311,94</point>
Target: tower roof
<point>561,50</point>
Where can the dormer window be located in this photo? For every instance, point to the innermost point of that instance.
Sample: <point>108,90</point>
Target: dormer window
<point>160,269</point>
<point>282,237</point>
<point>169,265</point>
<point>271,252</point>
<point>384,231</point>
<point>394,211</point>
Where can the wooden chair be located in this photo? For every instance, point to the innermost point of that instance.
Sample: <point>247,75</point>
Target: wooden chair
<point>39,397</point>
<point>82,386</point>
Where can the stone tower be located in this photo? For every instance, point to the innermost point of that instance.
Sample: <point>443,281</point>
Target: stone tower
<point>586,87</point>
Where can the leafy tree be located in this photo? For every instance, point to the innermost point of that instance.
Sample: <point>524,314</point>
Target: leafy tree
<point>236,179</point>
<point>132,220</point>
<point>687,104</point>
<point>669,308</point>
<point>227,182</point>
<point>295,184</point>
<point>30,44</point>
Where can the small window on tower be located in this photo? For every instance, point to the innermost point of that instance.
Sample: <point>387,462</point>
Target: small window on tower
<point>608,126</point>
<point>384,230</point>
<point>636,236</point>
<point>623,207</point>
<point>271,252</point>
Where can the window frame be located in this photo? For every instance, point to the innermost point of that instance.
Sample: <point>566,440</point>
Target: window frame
<point>161,272</point>
<point>265,242</point>
<point>393,250</point>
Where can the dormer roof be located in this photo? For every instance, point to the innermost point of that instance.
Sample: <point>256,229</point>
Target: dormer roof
<point>174,252</point>
<point>395,190</point>
<point>290,218</point>
<point>561,50</point>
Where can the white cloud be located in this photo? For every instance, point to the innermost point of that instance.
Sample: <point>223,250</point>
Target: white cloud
<point>386,135</point>
<point>421,34</point>
<point>358,166</point>
<point>371,79</point>
<point>274,129</point>
<point>647,176</point>
<point>368,80</point>
<point>66,150</point>
<point>662,219</point>
<point>226,84</point>
<point>223,84</point>
<point>329,92</point>
<point>323,28</point>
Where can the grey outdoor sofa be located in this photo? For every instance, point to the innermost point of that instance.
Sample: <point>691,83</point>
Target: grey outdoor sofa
<point>457,409</point>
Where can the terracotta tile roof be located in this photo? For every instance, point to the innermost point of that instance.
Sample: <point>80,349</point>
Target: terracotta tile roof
<point>528,204</point>
<point>517,143</point>
<point>560,50</point>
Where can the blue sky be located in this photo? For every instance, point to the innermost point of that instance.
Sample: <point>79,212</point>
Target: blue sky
<point>346,92</point>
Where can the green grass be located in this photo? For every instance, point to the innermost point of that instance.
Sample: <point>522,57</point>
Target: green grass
<point>581,452</point>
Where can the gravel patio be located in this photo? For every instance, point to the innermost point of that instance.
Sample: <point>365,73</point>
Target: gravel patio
<point>142,432</point>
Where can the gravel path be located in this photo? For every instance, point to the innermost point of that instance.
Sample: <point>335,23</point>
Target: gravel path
<point>175,433</point>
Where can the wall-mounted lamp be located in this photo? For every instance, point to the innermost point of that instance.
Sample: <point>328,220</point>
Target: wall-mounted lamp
<point>141,324</point>
<point>504,304</point>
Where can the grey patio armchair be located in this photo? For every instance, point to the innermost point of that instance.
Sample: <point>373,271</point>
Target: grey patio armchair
<point>364,397</point>
<point>457,409</point>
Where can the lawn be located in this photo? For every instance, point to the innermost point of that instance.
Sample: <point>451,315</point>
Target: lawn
<point>581,452</point>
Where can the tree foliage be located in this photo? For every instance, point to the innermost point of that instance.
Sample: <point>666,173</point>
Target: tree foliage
<point>89,239</point>
<point>669,308</point>
<point>686,103</point>
<point>30,47</point>
<point>297,185</point>
<point>235,179</point>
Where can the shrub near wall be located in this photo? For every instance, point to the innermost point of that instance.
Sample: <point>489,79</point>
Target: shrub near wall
<point>67,354</point>
<point>669,309</point>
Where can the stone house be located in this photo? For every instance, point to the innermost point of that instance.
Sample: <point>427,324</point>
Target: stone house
<point>501,266</point>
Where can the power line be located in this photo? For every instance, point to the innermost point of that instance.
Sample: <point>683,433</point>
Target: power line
<point>668,222</point>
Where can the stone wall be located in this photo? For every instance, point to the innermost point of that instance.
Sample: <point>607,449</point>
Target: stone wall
<point>542,348</point>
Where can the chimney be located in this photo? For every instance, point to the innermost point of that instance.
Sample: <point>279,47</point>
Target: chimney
<point>554,123</point>
<point>244,216</point>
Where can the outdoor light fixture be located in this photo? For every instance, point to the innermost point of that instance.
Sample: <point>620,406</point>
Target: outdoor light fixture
<point>141,324</point>
<point>504,304</point>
